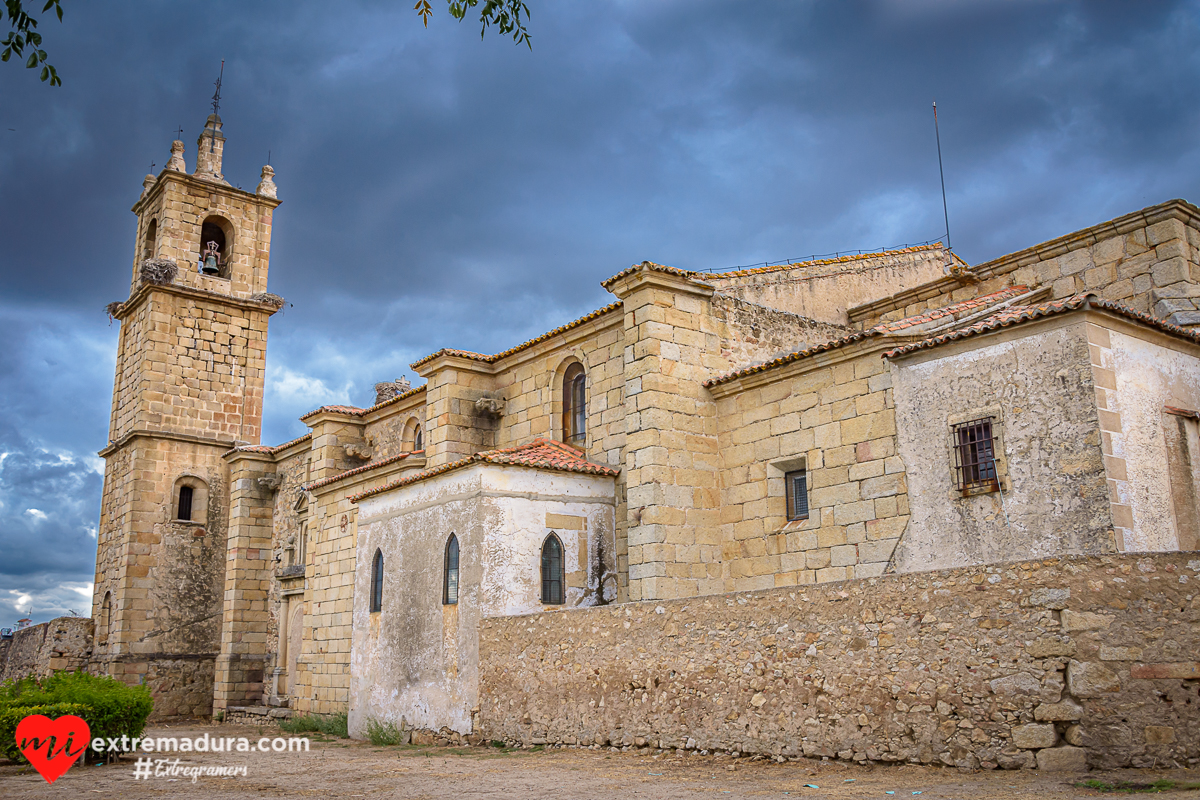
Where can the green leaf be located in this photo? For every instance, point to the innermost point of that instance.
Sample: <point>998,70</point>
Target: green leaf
<point>35,38</point>
<point>32,62</point>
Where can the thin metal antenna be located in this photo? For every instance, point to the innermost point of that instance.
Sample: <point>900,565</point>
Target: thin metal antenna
<point>268,158</point>
<point>179,133</point>
<point>945,209</point>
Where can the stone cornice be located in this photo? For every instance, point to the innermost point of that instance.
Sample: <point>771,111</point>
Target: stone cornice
<point>208,187</point>
<point>148,433</point>
<point>647,275</point>
<point>867,345</point>
<point>144,290</point>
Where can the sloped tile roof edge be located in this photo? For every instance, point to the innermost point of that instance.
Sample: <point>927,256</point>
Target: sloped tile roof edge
<point>790,357</point>
<point>1074,303</point>
<point>492,359</point>
<point>360,470</point>
<point>265,448</point>
<point>354,411</point>
<point>502,457</point>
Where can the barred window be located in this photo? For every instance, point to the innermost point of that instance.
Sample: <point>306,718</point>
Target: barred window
<point>450,584</point>
<point>377,582</point>
<point>552,571</point>
<point>796,486</point>
<point>975,455</point>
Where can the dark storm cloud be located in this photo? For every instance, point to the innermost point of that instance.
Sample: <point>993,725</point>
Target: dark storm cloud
<point>439,190</point>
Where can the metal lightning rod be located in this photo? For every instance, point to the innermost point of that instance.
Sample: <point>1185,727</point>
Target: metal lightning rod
<point>945,209</point>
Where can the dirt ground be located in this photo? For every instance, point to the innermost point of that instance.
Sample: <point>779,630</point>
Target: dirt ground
<point>337,768</point>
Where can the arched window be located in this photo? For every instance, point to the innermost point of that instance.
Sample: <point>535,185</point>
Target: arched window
<point>450,585</point>
<point>552,571</point>
<point>574,397</point>
<point>150,242</point>
<point>189,501</point>
<point>377,582</point>
<point>414,438</point>
<point>216,245</point>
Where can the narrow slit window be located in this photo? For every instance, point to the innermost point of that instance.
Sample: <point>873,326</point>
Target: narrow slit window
<point>796,484</point>
<point>450,585</point>
<point>552,571</point>
<point>574,422</point>
<point>377,582</point>
<point>419,438</point>
<point>185,504</point>
<point>975,455</point>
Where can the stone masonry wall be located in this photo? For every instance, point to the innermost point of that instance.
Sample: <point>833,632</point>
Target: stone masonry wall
<point>64,643</point>
<point>1054,663</point>
<point>832,415</point>
<point>756,333</point>
<point>1149,260</point>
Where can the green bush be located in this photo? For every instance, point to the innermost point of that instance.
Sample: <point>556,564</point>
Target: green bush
<point>383,733</point>
<point>333,725</point>
<point>11,716</point>
<point>111,709</point>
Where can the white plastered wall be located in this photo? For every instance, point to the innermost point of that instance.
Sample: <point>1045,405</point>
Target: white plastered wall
<point>417,660</point>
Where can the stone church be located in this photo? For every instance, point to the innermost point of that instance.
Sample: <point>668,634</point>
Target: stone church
<point>834,421</point>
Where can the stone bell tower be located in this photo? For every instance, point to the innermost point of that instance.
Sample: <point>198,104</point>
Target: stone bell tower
<point>189,386</point>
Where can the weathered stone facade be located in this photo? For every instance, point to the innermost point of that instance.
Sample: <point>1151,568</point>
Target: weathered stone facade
<point>765,429</point>
<point>1059,663</point>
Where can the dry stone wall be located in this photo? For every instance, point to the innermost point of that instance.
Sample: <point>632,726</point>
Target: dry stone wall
<point>1055,664</point>
<point>60,644</point>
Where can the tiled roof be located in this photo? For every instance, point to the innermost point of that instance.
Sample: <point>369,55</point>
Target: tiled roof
<point>359,470</point>
<point>1014,315</point>
<point>963,308</point>
<point>354,411</point>
<point>262,448</point>
<point>650,265</point>
<point>899,327</point>
<point>790,357</point>
<point>821,262</point>
<point>492,359</point>
<point>539,454</point>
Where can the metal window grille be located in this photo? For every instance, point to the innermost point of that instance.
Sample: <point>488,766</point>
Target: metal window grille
<point>450,593</point>
<point>185,503</point>
<point>796,484</point>
<point>552,571</point>
<point>377,582</point>
<point>975,455</point>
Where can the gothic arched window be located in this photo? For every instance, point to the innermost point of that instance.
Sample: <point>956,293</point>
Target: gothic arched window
<point>574,405</point>
<point>377,582</point>
<point>450,584</point>
<point>552,571</point>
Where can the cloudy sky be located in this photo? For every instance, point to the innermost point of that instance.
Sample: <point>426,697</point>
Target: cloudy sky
<point>439,190</point>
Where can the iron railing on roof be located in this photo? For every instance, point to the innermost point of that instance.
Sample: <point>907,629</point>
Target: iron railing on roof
<point>820,257</point>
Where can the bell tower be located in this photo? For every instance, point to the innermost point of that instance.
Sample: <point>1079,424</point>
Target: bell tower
<point>188,388</point>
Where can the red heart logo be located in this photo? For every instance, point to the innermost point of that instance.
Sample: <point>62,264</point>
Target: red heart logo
<point>52,745</point>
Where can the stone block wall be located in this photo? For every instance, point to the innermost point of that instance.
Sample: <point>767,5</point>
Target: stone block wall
<point>1059,663</point>
<point>833,416</point>
<point>1148,260</point>
<point>61,644</point>
<point>753,332</point>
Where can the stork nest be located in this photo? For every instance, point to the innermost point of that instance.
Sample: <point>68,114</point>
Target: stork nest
<point>269,299</point>
<point>158,271</point>
<point>112,308</point>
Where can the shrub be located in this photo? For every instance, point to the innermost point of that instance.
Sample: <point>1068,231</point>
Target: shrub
<point>333,725</point>
<point>111,709</point>
<point>383,733</point>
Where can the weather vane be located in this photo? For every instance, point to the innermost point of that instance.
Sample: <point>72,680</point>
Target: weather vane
<point>216,101</point>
